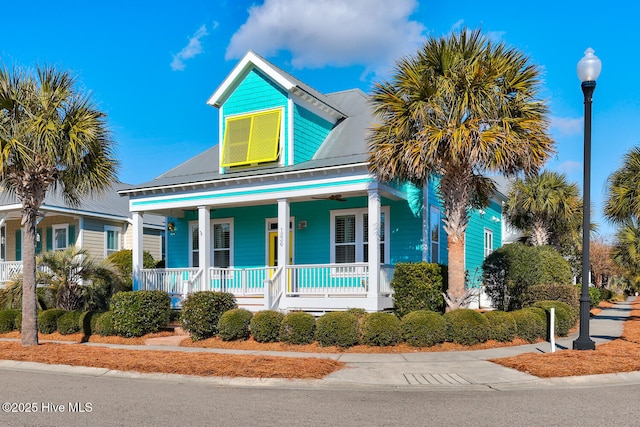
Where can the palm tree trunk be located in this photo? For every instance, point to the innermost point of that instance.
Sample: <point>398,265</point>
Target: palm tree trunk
<point>456,291</point>
<point>29,304</point>
<point>539,233</point>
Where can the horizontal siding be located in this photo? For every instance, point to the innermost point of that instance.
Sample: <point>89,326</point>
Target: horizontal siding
<point>310,132</point>
<point>474,239</point>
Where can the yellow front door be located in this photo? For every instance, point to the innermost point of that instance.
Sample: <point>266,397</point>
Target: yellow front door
<point>273,248</point>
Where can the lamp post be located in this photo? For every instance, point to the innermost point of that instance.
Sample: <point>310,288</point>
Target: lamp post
<point>588,71</point>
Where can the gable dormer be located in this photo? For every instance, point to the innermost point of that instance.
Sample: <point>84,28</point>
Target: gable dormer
<point>268,117</point>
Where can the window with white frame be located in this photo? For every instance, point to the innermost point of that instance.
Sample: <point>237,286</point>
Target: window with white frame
<point>221,243</point>
<point>350,235</point>
<point>60,237</point>
<point>434,221</point>
<point>488,242</point>
<point>111,239</point>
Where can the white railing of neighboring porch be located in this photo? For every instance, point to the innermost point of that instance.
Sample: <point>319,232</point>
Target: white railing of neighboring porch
<point>9,269</point>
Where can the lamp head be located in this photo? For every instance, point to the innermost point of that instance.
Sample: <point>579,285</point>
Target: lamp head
<point>589,67</point>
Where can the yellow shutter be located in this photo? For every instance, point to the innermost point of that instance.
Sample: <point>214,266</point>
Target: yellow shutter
<point>252,138</point>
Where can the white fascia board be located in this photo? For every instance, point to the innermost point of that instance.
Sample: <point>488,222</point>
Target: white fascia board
<point>240,180</point>
<point>11,208</point>
<point>246,63</point>
<point>328,114</point>
<point>257,194</point>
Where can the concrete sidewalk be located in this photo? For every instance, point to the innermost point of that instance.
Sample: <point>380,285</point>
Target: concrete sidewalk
<point>435,370</point>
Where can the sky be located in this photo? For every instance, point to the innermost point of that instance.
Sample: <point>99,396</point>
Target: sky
<point>152,65</point>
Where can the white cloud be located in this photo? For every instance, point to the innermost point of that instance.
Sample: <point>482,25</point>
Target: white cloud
<point>569,167</point>
<point>319,33</point>
<point>193,48</point>
<point>567,125</point>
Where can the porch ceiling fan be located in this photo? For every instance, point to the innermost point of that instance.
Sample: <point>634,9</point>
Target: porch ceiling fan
<point>336,197</point>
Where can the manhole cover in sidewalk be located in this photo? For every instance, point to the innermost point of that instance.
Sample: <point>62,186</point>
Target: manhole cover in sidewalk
<point>435,379</point>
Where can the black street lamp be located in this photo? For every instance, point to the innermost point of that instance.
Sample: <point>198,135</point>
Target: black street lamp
<point>589,69</point>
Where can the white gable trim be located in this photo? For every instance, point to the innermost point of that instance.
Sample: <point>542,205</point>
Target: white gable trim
<point>246,63</point>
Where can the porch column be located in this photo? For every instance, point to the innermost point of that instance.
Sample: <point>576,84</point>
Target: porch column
<point>283,232</point>
<point>374,243</point>
<point>137,249</point>
<point>204,238</point>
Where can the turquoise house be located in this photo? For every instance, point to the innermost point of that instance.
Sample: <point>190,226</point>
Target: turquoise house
<point>284,213</point>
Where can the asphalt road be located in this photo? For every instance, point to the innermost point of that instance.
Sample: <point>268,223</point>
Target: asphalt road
<point>48,399</point>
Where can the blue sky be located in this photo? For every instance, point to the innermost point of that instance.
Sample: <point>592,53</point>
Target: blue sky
<point>151,65</point>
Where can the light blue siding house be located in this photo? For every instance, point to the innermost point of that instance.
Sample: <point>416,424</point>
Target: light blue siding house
<point>284,213</point>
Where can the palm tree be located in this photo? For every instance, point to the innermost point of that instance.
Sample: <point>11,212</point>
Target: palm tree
<point>70,268</point>
<point>459,108</point>
<point>545,207</point>
<point>626,250</point>
<point>623,192</point>
<point>51,137</point>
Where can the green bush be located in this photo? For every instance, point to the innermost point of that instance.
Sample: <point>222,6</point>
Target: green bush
<point>46,297</point>
<point>568,294</point>
<point>423,328</point>
<point>8,320</point>
<point>605,294</point>
<point>48,320</point>
<point>104,324</point>
<point>201,312</point>
<point>298,328</point>
<point>381,329</point>
<point>337,328</point>
<point>124,261</point>
<point>88,322</point>
<point>531,325</point>
<point>418,286</point>
<point>466,326</point>
<point>594,296</point>
<point>265,325</point>
<point>234,324</point>
<point>510,270</point>
<point>18,321</point>
<point>141,312</point>
<point>502,325</point>
<point>69,322</point>
<point>566,316</point>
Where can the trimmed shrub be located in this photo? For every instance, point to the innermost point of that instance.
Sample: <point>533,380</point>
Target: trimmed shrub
<point>234,324</point>
<point>466,326</point>
<point>566,317</point>
<point>605,294</point>
<point>531,326</point>
<point>502,325</point>
<point>418,286</point>
<point>423,328</point>
<point>141,312</point>
<point>18,321</point>
<point>48,320</point>
<point>104,324</point>
<point>337,328</point>
<point>69,323</point>
<point>265,325</point>
<point>510,270</point>
<point>381,329</point>
<point>8,320</point>
<point>298,328</point>
<point>568,294</point>
<point>594,296</point>
<point>201,313</point>
<point>88,321</point>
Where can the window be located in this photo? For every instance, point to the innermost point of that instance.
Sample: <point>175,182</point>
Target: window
<point>60,237</point>
<point>350,236</point>
<point>111,239</point>
<point>251,138</point>
<point>488,242</point>
<point>434,222</point>
<point>221,244</point>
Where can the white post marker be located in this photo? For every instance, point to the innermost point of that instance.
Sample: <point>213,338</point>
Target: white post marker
<point>552,329</point>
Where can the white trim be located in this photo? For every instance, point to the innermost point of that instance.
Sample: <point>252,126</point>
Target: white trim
<point>290,131</point>
<point>54,242</point>
<point>292,229</point>
<point>118,230</point>
<point>435,209</point>
<point>359,242</point>
<point>487,232</point>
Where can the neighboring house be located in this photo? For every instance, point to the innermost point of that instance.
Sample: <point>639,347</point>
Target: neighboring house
<point>284,213</point>
<point>101,225</point>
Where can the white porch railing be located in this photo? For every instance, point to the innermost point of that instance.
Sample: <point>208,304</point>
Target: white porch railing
<point>271,283</point>
<point>9,269</point>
